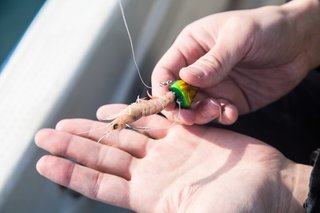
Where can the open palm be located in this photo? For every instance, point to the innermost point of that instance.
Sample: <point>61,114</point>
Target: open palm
<point>176,169</point>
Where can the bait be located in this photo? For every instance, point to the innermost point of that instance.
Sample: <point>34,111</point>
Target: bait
<point>181,92</point>
<point>136,110</point>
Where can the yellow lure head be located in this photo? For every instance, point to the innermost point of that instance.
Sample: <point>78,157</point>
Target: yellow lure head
<point>184,92</point>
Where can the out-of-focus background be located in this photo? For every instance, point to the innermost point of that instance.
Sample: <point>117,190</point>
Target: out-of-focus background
<point>62,59</point>
<point>15,17</point>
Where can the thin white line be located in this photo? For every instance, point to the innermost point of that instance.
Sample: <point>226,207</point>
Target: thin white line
<point>131,45</point>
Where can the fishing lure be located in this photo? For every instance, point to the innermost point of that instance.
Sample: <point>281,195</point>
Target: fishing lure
<point>180,91</point>
<point>184,92</point>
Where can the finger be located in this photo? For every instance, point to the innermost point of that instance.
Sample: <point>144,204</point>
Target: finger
<point>185,116</point>
<point>167,69</point>
<point>154,126</point>
<point>97,156</point>
<point>229,114</point>
<point>128,141</point>
<point>215,109</point>
<point>213,67</point>
<point>182,116</point>
<point>209,70</point>
<point>205,111</point>
<point>184,51</point>
<point>89,182</point>
<point>109,110</point>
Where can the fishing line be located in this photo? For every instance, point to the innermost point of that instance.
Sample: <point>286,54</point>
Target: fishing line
<point>131,45</point>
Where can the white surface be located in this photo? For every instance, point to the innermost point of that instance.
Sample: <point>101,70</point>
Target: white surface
<point>44,64</point>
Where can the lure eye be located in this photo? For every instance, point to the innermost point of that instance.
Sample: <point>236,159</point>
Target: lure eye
<point>115,126</point>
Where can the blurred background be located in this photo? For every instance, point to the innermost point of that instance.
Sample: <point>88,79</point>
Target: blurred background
<point>63,59</point>
<point>15,17</point>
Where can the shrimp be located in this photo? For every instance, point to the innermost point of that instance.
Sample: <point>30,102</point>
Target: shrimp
<point>136,110</point>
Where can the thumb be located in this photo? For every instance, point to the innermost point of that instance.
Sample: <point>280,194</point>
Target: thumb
<point>211,68</point>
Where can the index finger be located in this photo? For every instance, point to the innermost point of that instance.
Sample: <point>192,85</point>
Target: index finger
<point>183,52</point>
<point>167,69</point>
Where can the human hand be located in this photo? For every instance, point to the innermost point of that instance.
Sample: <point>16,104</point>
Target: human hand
<point>179,169</point>
<point>242,60</point>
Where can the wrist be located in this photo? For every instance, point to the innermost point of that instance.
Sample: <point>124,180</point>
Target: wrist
<point>304,17</point>
<point>296,178</point>
<point>301,185</point>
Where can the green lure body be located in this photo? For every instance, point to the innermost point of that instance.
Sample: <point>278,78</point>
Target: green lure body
<point>184,92</point>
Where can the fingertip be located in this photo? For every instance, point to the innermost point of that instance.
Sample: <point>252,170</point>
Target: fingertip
<point>41,164</point>
<point>56,169</point>
<point>41,135</point>
<point>37,137</point>
<point>100,113</point>
<point>211,109</point>
<point>160,75</point>
<point>207,110</point>
<point>192,76</point>
<point>70,125</point>
<point>106,111</point>
<point>103,112</point>
<point>229,114</point>
<point>62,124</point>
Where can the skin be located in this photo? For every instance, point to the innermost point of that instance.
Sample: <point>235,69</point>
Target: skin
<point>176,169</point>
<point>242,60</point>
